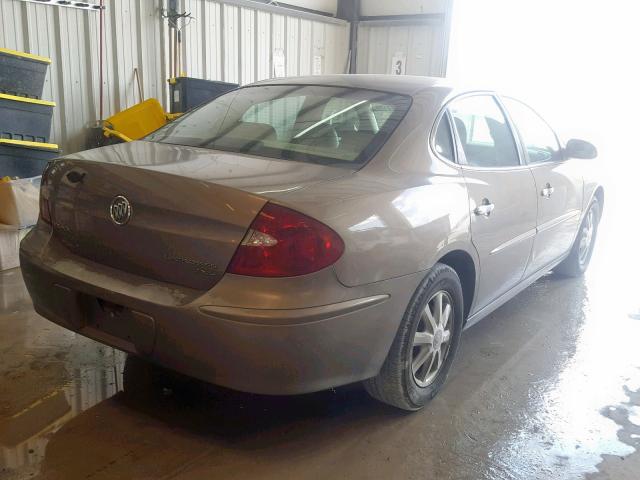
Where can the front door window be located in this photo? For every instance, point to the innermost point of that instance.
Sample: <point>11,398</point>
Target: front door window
<point>484,133</point>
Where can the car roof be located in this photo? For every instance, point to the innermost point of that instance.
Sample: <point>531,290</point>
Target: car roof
<point>401,84</point>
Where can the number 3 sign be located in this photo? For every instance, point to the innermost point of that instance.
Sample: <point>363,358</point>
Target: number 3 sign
<point>398,63</point>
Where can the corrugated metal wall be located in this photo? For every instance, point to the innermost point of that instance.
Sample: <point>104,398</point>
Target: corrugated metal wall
<point>424,46</point>
<point>231,41</point>
<point>70,37</point>
<point>235,43</point>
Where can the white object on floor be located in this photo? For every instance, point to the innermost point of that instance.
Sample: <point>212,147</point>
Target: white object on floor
<point>10,237</point>
<point>19,202</point>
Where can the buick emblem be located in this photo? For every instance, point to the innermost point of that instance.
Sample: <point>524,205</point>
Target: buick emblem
<point>120,210</point>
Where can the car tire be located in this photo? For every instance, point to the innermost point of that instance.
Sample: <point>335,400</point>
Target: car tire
<point>399,382</point>
<point>578,260</point>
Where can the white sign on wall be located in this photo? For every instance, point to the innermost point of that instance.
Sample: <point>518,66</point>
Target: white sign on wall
<point>279,63</point>
<point>317,65</point>
<point>398,63</point>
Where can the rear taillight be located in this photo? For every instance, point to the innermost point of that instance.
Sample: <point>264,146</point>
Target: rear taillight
<point>284,243</point>
<point>45,213</point>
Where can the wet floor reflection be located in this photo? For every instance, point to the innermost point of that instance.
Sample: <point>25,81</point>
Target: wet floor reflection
<point>47,376</point>
<point>581,414</point>
<point>547,387</point>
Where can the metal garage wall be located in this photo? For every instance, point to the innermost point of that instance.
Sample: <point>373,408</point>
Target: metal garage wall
<point>70,37</point>
<point>236,42</point>
<point>231,41</point>
<point>424,45</point>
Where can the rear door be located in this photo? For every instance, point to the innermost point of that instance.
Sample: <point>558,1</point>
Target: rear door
<point>502,194</point>
<point>558,184</point>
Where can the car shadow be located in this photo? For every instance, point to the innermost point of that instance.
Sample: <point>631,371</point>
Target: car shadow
<point>164,425</point>
<point>204,409</point>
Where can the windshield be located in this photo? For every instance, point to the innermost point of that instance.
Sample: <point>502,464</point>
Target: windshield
<point>318,124</point>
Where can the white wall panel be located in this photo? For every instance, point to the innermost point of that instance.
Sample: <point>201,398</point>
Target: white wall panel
<point>134,38</point>
<point>329,6</point>
<point>12,34</point>
<point>73,71</point>
<point>231,44</point>
<point>153,50</point>
<point>401,7</point>
<point>243,53</point>
<point>193,34</point>
<point>335,43</point>
<point>292,46</point>
<point>224,41</point>
<point>277,32</point>
<point>263,46</point>
<point>211,41</point>
<point>247,56</point>
<point>317,42</point>
<point>306,50</point>
<point>423,45</point>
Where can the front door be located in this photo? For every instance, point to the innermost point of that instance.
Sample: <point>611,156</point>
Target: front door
<point>502,195</point>
<point>558,184</point>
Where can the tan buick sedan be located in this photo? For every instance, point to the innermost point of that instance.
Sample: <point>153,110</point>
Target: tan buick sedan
<point>299,234</point>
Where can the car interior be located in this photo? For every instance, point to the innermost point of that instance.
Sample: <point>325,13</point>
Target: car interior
<point>344,129</point>
<point>498,150</point>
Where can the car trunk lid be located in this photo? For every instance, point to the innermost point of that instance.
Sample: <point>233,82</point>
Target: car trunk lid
<point>259,175</point>
<point>186,217</point>
<point>180,230</point>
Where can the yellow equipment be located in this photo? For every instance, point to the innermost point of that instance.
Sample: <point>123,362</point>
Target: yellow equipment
<point>137,121</point>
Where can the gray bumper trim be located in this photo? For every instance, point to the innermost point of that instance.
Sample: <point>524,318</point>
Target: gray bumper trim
<point>291,316</point>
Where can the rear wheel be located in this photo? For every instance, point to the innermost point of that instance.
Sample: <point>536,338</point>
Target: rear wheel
<point>580,256</point>
<point>426,343</point>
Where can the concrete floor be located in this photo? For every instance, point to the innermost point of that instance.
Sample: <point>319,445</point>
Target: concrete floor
<point>546,387</point>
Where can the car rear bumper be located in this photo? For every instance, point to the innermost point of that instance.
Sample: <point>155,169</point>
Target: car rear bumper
<point>258,350</point>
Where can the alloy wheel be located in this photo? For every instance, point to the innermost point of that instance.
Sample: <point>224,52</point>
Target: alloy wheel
<point>586,237</point>
<point>432,338</point>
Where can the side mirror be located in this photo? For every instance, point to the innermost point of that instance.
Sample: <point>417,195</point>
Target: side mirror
<point>580,149</point>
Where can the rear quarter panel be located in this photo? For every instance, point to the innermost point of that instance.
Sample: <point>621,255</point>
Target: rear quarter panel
<point>401,212</point>
<point>399,232</point>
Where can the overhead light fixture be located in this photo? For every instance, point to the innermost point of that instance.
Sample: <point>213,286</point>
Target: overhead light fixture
<point>68,3</point>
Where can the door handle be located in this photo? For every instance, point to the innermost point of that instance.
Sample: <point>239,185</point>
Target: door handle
<point>547,191</point>
<point>485,208</point>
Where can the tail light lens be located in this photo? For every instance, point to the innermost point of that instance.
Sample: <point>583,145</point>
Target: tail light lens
<point>284,243</point>
<point>45,213</point>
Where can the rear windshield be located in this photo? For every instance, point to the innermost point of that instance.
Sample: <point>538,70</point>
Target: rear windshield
<point>317,124</point>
